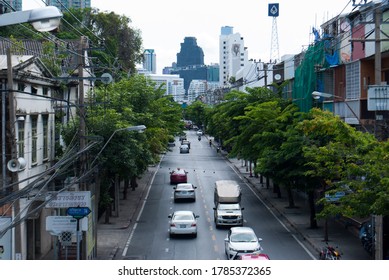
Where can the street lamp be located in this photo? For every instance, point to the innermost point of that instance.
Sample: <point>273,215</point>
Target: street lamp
<point>317,94</point>
<point>42,19</point>
<point>140,128</point>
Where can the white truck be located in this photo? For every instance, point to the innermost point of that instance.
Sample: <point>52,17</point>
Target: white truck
<point>227,210</point>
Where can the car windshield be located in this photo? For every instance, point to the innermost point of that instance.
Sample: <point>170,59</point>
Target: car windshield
<point>229,206</point>
<point>243,237</point>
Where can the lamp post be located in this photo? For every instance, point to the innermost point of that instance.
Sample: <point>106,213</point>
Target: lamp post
<point>42,19</point>
<point>317,94</point>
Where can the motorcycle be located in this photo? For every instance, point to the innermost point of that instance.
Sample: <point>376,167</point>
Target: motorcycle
<point>366,236</point>
<point>199,138</point>
<point>329,252</point>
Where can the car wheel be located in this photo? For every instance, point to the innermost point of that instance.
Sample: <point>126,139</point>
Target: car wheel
<point>195,235</point>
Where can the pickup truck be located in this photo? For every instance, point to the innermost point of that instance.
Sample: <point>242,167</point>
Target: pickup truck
<point>227,210</point>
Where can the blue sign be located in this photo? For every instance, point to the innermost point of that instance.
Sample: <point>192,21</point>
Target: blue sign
<point>274,10</point>
<point>78,212</point>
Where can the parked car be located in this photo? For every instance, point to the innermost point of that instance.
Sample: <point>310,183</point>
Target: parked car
<point>183,222</point>
<point>240,241</point>
<point>178,175</point>
<point>184,149</point>
<point>184,191</point>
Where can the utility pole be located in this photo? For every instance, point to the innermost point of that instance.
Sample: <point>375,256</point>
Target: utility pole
<point>377,73</point>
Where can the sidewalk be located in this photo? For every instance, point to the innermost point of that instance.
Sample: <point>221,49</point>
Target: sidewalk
<point>112,237</point>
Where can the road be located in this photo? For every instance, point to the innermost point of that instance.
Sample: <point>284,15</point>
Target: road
<point>150,238</point>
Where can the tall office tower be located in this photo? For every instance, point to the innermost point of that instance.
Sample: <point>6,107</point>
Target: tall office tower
<point>190,54</point>
<point>66,4</point>
<point>232,54</point>
<point>150,61</point>
<point>10,6</point>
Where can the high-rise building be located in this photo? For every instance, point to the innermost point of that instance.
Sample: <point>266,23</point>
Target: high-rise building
<point>66,4</point>
<point>190,54</point>
<point>150,61</point>
<point>232,54</point>
<point>7,6</point>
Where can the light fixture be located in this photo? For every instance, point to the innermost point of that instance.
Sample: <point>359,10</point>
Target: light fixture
<point>42,19</point>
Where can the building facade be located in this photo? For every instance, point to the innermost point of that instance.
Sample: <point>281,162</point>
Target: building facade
<point>190,54</point>
<point>66,4</point>
<point>150,61</point>
<point>8,6</point>
<point>232,55</point>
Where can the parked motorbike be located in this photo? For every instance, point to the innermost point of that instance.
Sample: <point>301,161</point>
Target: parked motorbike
<point>329,252</point>
<point>366,236</point>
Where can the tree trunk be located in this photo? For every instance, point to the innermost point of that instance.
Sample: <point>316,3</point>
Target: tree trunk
<point>107,214</point>
<point>134,184</point>
<point>312,217</point>
<point>125,188</point>
<point>290,197</point>
<point>277,189</point>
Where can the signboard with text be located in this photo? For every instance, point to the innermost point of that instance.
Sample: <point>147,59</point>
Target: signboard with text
<point>70,199</point>
<point>57,224</point>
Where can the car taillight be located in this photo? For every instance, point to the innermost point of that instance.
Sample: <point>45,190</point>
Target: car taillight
<point>193,225</point>
<point>172,224</point>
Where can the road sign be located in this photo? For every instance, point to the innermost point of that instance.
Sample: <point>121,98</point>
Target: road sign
<point>78,212</point>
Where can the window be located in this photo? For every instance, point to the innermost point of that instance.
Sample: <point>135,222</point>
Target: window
<point>34,90</point>
<point>45,91</point>
<point>20,140</point>
<point>45,119</point>
<point>34,139</point>
<point>21,86</point>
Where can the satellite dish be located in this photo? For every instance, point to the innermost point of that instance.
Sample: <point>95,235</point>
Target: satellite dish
<point>277,77</point>
<point>106,78</point>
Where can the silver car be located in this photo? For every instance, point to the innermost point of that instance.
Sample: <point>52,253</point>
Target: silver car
<point>184,149</point>
<point>240,241</point>
<point>184,191</point>
<point>183,222</point>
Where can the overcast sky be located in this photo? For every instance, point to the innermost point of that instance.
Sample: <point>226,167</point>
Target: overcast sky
<point>165,24</point>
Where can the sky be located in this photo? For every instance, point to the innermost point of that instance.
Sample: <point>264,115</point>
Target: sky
<point>165,24</point>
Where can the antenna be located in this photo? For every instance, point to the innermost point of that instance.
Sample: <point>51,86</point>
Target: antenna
<point>274,49</point>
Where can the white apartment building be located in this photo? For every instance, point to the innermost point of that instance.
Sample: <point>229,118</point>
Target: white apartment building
<point>173,85</point>
<point>232,55</point>
<point>198,88</point>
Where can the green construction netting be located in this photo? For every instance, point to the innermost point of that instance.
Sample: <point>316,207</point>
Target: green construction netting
<point>305,80</point>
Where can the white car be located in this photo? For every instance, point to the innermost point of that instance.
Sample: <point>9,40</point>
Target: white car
<point>184,191</point>
<point>183,222</point>
<point>199,132</point>
<point>240,241</point>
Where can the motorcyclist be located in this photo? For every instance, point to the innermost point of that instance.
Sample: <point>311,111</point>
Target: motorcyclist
<point>210,142</point>
<point>199,137</point>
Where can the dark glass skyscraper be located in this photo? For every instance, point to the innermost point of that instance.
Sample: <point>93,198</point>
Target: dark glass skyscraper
<point>190,54</point>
